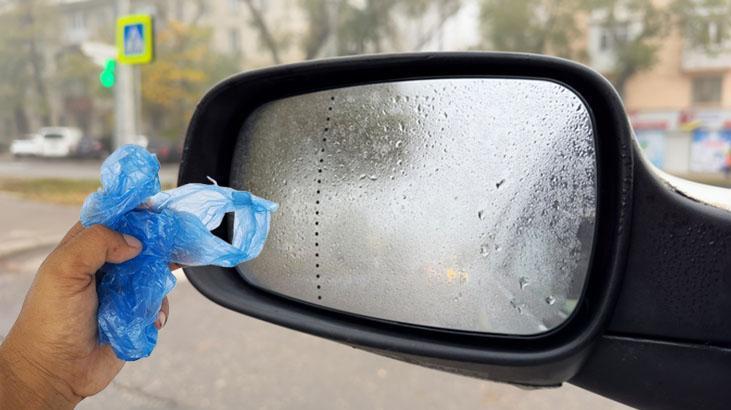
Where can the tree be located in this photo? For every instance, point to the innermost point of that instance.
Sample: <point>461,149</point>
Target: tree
<point>318,26</point>
<point>342,27</point>
<point>635,29</point>
<point>534,26</point>
<point>29,31</point>
<point>13,71</point>
<point>37,28</point>
<point>265,32</point>
<point>445,10</point>
<point>184,68</point>
<point>76,81</point>
<point>705,24</point>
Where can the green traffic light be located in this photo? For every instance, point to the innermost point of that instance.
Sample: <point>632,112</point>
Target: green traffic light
<point>107,75</point>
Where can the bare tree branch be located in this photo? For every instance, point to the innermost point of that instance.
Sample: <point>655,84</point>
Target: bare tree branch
<point>444,16</point>
<point>266,34</point>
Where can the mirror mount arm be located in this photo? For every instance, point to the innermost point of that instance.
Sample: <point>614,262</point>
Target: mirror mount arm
<point>671,324</point>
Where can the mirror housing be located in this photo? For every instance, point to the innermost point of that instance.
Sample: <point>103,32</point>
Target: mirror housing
<point>546,359</point>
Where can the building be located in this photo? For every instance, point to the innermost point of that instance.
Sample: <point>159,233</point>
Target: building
<point>680,109</point>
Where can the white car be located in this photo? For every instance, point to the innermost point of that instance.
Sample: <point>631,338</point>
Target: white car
<point>26,147</point>
<point>49,142</point>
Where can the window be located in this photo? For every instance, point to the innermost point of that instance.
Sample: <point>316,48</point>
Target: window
<point>707,90</point>
<point>234,40</point>
<point>621,32</point>
<point>78,22</point>
<point>233,5</point>
<point>713,32</point>
<point>604,40</point>
<point>609,35</point>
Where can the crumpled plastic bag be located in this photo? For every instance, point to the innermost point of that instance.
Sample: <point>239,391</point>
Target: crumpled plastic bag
<point>174,227</point>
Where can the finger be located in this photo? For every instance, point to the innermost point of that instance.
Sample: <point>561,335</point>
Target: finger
<point>78,227</point>
<point>164,314</point>
<point>86,252</point>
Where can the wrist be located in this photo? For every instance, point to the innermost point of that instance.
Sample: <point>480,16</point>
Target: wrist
<point>22,385</point>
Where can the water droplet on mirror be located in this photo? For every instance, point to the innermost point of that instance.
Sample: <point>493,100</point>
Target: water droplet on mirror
<point>523,282</point>
<point>362,176</point>
<point>502,181</point>
<point>550,300</point>
<point>481,214</point>
<point>373,177</point>
<point>517,306</point>
<point>484,250</point>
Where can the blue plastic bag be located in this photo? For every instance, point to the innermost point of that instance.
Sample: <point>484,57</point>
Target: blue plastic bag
<point>173,226</point>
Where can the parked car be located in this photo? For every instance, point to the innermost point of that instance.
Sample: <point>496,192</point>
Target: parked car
<point>59,141</point>
<point>49,142</point>
<point>27,146</point>
<point>91,148</point>
<point>167,151</point>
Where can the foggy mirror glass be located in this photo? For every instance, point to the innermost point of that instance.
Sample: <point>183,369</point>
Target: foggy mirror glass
<point>465,204</point>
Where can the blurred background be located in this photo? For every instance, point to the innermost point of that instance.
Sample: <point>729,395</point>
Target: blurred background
<point>670,60</point>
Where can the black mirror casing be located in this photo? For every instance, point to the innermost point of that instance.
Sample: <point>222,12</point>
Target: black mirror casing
<point>544,360</point>
<point>652,328</point>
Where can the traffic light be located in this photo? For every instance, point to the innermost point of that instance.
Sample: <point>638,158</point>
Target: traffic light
<point>107,77</point>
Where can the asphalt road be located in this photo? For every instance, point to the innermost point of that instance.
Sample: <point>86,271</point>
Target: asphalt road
<point>65,168</point>
<point>209,357</point>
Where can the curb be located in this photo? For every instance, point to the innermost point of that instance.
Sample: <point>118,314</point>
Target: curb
<point>16,247</point>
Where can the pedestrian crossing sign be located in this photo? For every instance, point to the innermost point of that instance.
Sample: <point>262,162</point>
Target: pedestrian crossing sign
<point>135,41</point>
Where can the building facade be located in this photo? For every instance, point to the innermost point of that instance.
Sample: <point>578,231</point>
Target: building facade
<point>680,109</point>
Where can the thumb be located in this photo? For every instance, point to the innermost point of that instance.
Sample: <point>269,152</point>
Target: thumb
<point>90,249</point>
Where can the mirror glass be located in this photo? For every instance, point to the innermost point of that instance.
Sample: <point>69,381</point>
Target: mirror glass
<point>466,204</point>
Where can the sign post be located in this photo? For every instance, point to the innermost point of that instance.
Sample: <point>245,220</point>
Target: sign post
<point>135,39</point>
<point>135,45</point>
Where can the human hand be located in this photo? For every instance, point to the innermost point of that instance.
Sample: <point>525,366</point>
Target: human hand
<point>51,358</point>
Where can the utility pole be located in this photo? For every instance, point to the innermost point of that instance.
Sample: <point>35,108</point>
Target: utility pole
<point>125,110</point>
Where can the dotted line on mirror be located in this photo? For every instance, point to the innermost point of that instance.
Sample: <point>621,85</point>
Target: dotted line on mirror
<point>320,164</point>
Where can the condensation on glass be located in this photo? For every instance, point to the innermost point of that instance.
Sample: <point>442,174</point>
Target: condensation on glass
<point>464,204</point>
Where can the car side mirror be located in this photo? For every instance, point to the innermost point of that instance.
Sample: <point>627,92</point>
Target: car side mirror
<point>464,211</point>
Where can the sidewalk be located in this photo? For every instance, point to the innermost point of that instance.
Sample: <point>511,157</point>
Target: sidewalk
<point>27,225</point>
<point>66,168</point>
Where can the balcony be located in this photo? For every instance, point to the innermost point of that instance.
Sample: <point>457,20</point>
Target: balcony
<point>697,58</point>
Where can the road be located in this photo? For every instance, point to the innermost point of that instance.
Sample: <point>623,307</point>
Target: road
<point>209,357</point>
<point>65,168</point>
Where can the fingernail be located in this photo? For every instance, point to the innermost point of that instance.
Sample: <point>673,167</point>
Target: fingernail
<point>162,318</point>
<point>132,241</point>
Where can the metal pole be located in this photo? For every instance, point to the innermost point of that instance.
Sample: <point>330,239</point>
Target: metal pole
<point>138,99</point>
<point>124,101</point>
